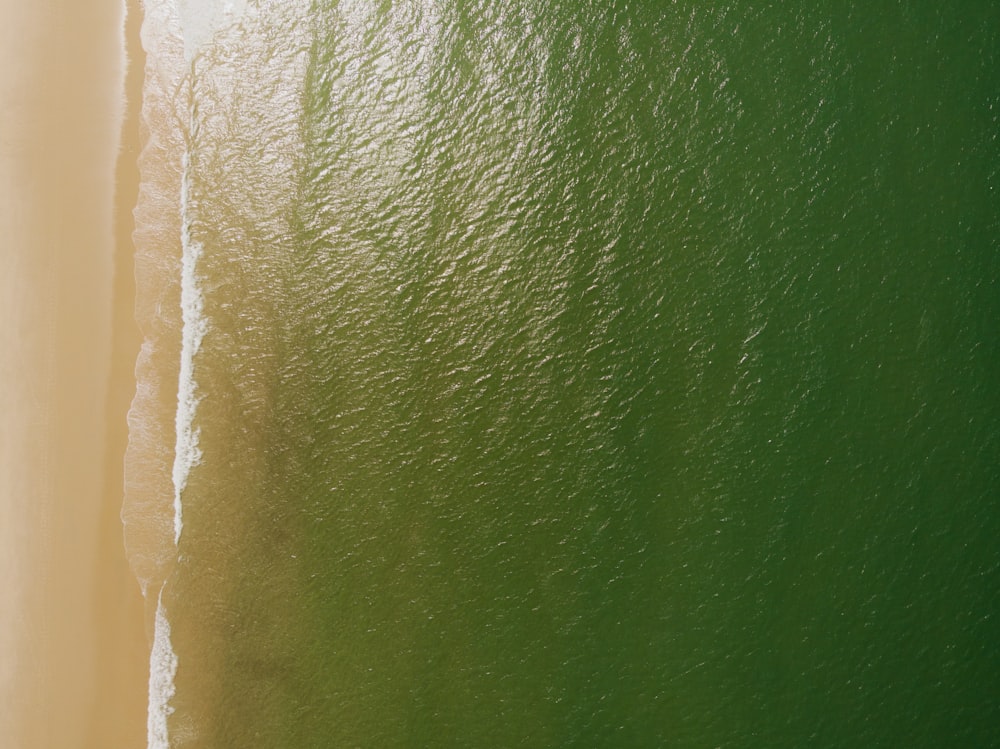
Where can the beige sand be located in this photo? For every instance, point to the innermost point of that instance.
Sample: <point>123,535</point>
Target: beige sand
<point>73,649</point>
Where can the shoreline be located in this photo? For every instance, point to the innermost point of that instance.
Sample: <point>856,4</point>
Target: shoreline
<point>72,619</point>
<point>124,647</point>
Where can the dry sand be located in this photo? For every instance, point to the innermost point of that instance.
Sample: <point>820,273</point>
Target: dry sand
<point>73,649</point>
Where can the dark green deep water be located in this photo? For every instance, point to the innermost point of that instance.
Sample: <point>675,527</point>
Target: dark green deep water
<point>595,374</point>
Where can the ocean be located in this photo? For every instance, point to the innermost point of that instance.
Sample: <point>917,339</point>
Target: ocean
<point>569,373</point>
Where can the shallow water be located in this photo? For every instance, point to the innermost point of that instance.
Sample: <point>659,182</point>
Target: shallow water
<point>576,374</point>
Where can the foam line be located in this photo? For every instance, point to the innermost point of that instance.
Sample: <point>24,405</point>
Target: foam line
<point>187,454</point>
<point>162,671</point>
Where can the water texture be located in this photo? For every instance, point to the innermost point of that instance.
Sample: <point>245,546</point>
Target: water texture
<point>570,374</point>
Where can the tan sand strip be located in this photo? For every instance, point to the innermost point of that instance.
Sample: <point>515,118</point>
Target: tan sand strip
<point>72,642</point>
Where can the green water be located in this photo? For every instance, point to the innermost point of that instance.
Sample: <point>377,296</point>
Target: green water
<point>596,374</point>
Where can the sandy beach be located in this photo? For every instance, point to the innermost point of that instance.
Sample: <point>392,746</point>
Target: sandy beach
<point>73,649</point>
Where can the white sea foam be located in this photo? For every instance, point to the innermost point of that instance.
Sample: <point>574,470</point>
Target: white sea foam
<point>162,670</point>
<point>201,19</point>
<point>187,454</point>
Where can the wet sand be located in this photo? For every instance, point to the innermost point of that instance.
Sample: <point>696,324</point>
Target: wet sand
<point>73,648</point>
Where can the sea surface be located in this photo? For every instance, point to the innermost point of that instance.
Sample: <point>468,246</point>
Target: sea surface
<point>569,374</point>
